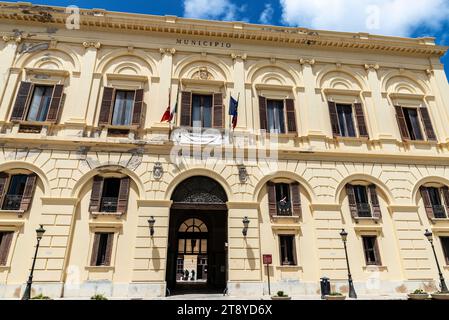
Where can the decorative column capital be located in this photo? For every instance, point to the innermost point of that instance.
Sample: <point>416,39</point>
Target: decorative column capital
<point>236,56</point>
<point>372,66</point>
<point>87,44</point>
<point>15,38</point>
<point>429,72</point>
<point>310,62</point>
<point>168,51</point>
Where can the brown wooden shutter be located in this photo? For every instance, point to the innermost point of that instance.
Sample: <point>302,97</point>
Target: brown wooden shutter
<point>108,255</point>
<point>95,197</point>
<point>22,99</point>
<point>427,123</point>
<point>3,186</point>
<point>377,213</point>
<point>361,121</point>
<point>28,192</point>
<point>106,106</point>
<point>138,108</point>
<point>401,123</point>
<point>352,202</point>
<point>263,113</point>
<point>334,118</point>
<point>446,199</point>
<point>296,199</point>
<point>271,190</point>
<point>4,247</point>
<point>427,203</point>
<point>123,195</point>
<point>186,109</point>
<point>55,103</point>
<point>377,252</point>
<point>95,247</point>
<point>291,115</point>
<point>218,111</point>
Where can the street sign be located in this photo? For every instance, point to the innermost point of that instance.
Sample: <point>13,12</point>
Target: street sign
<point>267,259</point>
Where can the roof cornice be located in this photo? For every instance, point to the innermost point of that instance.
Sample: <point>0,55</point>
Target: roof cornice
<point>99,19</point>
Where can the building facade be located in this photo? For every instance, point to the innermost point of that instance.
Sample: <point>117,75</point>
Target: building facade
<point>334,131</point>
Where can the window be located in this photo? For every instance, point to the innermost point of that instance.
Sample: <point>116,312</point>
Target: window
<point>284,199</point>
<point>40,103</point>
<point>412,121</point>
<point>287,247</point>
<point>275,116</point>
<point>361,198</point>
<point>284,207</point>
<point>109,198</point>
<point>5,244</point>
<point>13,197</point>
<point>346,120</point>
<point>445,245</point>
<point>102,250</point>
<point>363,201</point>
<point>433,201</point>
<point>371,250</point>
<point>415,123</point>
<point>202,111</point>
<point>123,108</point>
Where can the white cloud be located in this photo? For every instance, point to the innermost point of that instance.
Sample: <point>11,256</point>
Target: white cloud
<point>212,9</point>
<point>389,17</point>
<point>267,14</point>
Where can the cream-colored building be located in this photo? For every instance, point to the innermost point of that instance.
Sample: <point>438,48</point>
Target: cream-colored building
<point>335,130</point>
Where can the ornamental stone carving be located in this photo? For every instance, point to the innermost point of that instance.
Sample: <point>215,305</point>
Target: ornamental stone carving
<point>372,66</point>
<point>158,171</point>
<point>202,74</point>
<point>310,62</point>
<point>169,51</point>
<point>96,45</point>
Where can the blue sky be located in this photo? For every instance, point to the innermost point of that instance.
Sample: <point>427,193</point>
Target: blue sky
<point>414,18</point>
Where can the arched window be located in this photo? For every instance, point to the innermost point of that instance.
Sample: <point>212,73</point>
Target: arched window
<point>192,236</point>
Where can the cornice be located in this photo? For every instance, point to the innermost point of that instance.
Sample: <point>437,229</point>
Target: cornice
<point>92,20</point>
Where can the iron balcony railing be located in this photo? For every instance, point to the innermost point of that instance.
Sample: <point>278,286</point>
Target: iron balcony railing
<point>439,212</point>
<point>109,204</point>
<point>12,202</point>
<point>364,210</point>
<point>284,208</point>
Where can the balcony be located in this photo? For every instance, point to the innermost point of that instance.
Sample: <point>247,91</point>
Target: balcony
<point>12,202</point>
<point>284,209</point>
<point>439,212</point>
<point>108,204</point>
<point>364,210</point>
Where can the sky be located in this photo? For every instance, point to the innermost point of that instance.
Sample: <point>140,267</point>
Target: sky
<point>410,18</point>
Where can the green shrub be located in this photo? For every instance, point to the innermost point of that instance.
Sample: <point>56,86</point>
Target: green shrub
<point>281,294</point>
<point>334,294</point>
<point>41,297</point>
<point>419,291</point>
<point>98,297</point>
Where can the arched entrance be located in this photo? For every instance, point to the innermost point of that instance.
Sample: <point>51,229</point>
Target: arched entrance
<point>196,257</point>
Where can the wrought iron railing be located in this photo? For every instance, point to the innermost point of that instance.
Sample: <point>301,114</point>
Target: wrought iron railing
<point>108,204</point>
<point>439,212</point>
<point>284,208</point>
<point>12,202</point>
<point>364,210</point>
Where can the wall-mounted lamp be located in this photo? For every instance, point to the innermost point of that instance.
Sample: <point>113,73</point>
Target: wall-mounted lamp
<point>151,223</point>
<point>245,226</point>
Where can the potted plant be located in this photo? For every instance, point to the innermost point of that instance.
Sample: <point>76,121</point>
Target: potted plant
<point>418,294</point>
<point>98,297</point>
<point>440,295</point>
<point>281,296</point>
<point>335,296</point>
<point>40,297</point>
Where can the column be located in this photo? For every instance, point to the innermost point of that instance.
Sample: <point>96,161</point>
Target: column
<point>239,88</point>
<point>7,54</point>
<point>314,116</point>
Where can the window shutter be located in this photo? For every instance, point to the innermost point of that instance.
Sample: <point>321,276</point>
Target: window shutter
<point>138,108</point>
<point>106,106</point>
<point>401,123</point>
<point>4,247</point>
<point>186,109</point>
<point>352,202</point>
<point>428,128</point>
<point>218,111</point>
<point>377,252</point>
<point>107,259</point>
<point>93,258</point>
<point>291,115</point>
<point>361,121</point>
<point>271,189</point>
<point>28,193</point>
<point>375,201</point>
<point>123,195</point>
<point>296,199</point>
<point>446,199</point>
<point>95,197</point>
<point>427,203</point>
<point>23,95</point>
<point>263,113</point>
<point>3,181</point>
<point>334,118</point>
<point>55,104</point>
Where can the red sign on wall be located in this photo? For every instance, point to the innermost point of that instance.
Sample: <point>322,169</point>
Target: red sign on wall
<point>267,259</point>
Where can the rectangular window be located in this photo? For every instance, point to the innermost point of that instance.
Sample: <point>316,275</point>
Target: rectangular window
<point>346,120</point>
<point>371,250</point>
<point>287,247</point>
<point>275,114</point>
<point>445,245</point>
<point>412,121</point>
<point>437,205</point>
<point>5,244</point>
<point>123,108</point>
<point>40,103</point>
<point>283,202</point>
<point>361,199</point>
<point>202,111</point>
<point>13,197</point>
<point>104,249</point>
<point>109,198</point>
